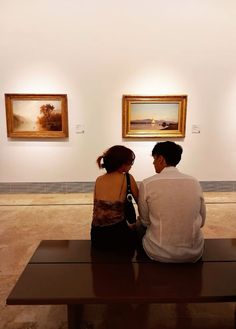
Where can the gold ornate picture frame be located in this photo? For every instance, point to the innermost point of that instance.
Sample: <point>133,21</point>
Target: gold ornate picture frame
<point>36,115</point>
<point>153,116</point>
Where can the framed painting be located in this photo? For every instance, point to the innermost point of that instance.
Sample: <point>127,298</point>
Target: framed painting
<point>153,116</point>
<point>36,115</point>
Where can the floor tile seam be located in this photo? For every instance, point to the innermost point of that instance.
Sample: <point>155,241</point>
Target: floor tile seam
<point>46,204</point>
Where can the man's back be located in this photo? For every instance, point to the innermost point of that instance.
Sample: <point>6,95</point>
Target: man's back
<point>172,206</point>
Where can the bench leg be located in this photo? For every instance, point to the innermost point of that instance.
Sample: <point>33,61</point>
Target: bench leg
<point>74,316</point>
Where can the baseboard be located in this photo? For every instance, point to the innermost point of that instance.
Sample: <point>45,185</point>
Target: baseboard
<point>87,187</point>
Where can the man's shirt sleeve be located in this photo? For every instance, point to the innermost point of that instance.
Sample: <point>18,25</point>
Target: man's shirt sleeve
<point>143,206</point>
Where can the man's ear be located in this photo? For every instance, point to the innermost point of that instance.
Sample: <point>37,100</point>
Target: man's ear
<point>162,161</point>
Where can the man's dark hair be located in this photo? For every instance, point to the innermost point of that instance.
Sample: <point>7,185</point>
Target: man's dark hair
<point>170,151</point>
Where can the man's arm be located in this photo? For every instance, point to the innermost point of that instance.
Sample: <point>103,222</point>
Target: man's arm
<point>143,206</point>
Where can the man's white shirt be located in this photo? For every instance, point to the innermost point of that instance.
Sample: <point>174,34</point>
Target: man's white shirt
<point>172,206</point>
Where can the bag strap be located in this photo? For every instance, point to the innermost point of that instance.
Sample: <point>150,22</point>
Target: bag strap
<point>128,185</point>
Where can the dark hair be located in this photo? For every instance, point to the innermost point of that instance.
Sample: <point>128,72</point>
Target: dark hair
<point>170,151</point>
<point>115,157</point>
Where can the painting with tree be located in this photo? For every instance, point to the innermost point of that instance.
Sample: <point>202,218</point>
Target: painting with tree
<point>36,116</point>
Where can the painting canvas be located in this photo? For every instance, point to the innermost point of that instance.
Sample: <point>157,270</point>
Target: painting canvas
<point>154,116</point>
<point>30,115</point>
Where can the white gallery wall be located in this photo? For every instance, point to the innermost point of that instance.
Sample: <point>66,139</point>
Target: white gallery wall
<point>97,50</point>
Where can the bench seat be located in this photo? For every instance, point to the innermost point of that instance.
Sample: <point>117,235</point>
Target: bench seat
<point>72,273</point>
<point>80,251</point>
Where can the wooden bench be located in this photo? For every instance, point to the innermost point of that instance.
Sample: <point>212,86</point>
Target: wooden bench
<point>71,272</point>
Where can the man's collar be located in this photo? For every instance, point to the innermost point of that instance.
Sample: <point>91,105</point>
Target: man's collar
<point>169,168</point>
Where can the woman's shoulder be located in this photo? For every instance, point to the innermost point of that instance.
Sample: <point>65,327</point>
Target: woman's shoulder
<point>100,178</point>
<point>131,177</point>
<point>110,177</point>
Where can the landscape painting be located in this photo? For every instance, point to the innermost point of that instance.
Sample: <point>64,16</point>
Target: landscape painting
<point>154,116</point>
<point>41,115</point>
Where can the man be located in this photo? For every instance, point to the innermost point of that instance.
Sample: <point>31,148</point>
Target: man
<point>172,208</point>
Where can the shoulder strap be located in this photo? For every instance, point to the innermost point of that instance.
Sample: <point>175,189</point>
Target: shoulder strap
<point>128,183</point>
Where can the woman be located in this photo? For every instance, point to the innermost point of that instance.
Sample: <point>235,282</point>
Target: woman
<point>109,227</point>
